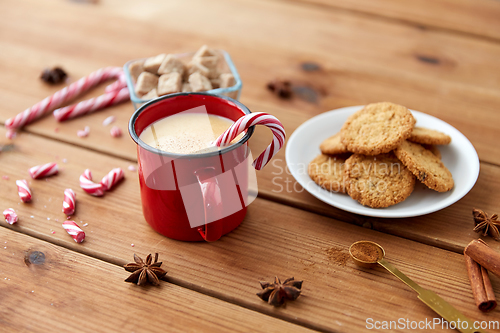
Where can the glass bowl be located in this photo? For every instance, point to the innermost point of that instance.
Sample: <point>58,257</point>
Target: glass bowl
<point>226,66</point>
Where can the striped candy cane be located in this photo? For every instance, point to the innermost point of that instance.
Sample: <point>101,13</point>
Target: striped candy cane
<point>24,190</point>
<point>89,186</point>
<point>10,216</point>
<point>62,96</point>
<point>94,104</point>
<point>69,202</point>
<point>44,170</point>
<point>112,178</point>
<point>74,231</point>
<point>249,120</point>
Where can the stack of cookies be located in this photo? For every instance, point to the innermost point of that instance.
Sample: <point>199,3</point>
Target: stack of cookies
<point>377,156</point>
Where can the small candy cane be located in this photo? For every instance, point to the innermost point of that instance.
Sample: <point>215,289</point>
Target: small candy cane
<point>249,120</point>
<point>45,170</point>
<point>62,96</point>
<point>110,98</point>
<point>115,132</point>
<point>69,202</point>
<point>23,190</point>
<point>74,231</point>
<point>83,133</point>
<point>89,186</point>
<point>117,85</point>
<point>108,120</point>
<point>112,178</point>
<point>10,216</point>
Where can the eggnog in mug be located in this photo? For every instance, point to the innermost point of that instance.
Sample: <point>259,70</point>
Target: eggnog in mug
<point>187,133</point>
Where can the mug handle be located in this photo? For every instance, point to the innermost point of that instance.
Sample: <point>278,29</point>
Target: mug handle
<point>212,204</point>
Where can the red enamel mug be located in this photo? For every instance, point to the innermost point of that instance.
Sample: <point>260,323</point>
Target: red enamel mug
<point>193,197</point>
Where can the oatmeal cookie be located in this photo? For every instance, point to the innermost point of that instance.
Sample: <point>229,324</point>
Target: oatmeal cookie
<point>328,172</point>
<point>429,137</point>
<point>434,149</point>
<point>332,145</point>
<point>378,181</point>
<point>377,128</point>
<point>426,166</point>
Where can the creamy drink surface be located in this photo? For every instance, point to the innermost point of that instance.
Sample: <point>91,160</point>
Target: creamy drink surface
<point>186,133</point>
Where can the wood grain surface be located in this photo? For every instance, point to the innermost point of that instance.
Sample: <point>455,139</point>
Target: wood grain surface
<point>478,18</point>
<point>438,57</point>
<point>73,292</point>
<point>273,240</point>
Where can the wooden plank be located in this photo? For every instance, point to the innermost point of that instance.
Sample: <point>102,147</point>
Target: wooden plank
<point>273,240</point>
<point>461,88</point>
<point>73,292</point>
<point>481,18</point>
<point>450,228</point>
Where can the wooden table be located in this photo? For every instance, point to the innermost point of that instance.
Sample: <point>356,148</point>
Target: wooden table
<point>440,57</point>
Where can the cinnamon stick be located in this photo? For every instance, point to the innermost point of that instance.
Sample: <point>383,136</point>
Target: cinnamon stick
<point>484,256</point>
<point>481,285</point>
<point>490,294</point>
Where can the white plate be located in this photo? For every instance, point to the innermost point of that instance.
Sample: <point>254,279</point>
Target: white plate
<point>460,158</point>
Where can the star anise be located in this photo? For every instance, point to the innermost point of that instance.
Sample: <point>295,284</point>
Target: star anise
<point>145,271</point>
<point>282,88</point>
<point>488,225</point>
<point>276,293</point>
<point>53,76</point>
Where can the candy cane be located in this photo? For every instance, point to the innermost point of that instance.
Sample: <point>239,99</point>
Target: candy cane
<point>249,120</point>
<point>69,202</point>
<point>10,216</point>
<point>45,170</point>
<point>62,96</point>
<point>115,132</point>
<point>74,231</point>
<point>94,104</point>
<point>89,186</point>
<point>117,85</point>
<point>112,178</point>
<point>23,190</point>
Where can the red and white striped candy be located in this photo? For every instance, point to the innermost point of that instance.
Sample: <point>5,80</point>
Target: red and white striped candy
<point>74,231</point>
<point>112,178</point>
<point>62,96</point>
<point>45,170</point>
<point>110,98</point>
<point>83,133</point>
<point>23,190</point>
<point>89,186</point>
<point>249,120</point>
<point>115,132</point>
<point>10,216</point>
<point>11,134</point>
<point>108,120</point>
<point>117,85</point>
<point>69,202</point>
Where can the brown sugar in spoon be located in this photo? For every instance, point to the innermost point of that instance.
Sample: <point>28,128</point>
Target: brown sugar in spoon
<point>369,254</point>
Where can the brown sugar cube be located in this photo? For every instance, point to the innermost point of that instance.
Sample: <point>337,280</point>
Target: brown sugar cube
<point>145,82</point>
<point>171,64</point>
<point>196,67</point>
<point>151,94</point>
<point>169,83</point>
<point>208,62</point>
<point>204,51</point>
<point>227,80</point>
<point>186,87</point>
<point>215,83</point>
<point>135,69</point>
<point>152,64</point>
<point>199,82</point>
